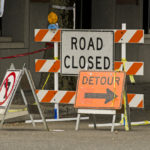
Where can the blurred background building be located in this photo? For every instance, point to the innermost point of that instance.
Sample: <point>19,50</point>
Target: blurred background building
<point>21,17</point>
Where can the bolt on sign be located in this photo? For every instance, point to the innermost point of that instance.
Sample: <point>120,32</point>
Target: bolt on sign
<point>82,49</point>
<point>100,90</point>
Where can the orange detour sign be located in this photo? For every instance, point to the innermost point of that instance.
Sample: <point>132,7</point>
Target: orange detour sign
<point>100,90</point>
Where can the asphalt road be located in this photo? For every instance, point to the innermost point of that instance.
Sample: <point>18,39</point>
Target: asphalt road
<point>62,136</point>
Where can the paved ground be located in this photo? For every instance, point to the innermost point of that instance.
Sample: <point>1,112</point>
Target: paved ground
<point>22,136</point>
<point>62,136</point>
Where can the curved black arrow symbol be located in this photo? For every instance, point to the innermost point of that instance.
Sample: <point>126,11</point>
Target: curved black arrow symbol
<point>109,95</point>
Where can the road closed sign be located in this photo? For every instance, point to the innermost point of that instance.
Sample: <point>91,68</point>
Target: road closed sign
<point>100,90</point>
<point>84,49</point>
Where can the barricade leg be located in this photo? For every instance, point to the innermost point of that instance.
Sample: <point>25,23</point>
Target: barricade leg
<point>29,77</point>
<point>25,101</point>
<point>113,123</point>
<point>78,122</point>
<point>94,121</point>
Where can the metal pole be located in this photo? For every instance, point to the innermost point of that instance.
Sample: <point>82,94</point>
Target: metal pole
<point>74,16</point>
<point>56,107</point>
<point>31,83</point>
<point>123,54</point>
<point>123,45</point>
<point>26,104</point>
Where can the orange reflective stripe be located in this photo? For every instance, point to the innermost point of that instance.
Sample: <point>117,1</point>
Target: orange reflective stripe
<point>129,98</point>
<point>141,104</point>
<point>36,91</point>
<point>119,34</point>
<point>40,35</point>
<point>55,67</point>
<point>56,38</point>
<point>134,68</point>
<point>136,37</point>
<point>68,96</point>
<point>49,95</point>
<point>39,64</point>
<point>117,65</point>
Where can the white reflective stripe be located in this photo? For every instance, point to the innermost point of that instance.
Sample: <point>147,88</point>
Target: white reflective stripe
<point>59,70</point>
<point>48,36</point>
<point>121,67</point>
<point>36,31</point>
<point>47,65</point>
<point>72,100</point>
<point>136,100</point>
<point>58,97</point>
<point>142,39</point>
<point>41,94</point>
<point>128,35</point>
<point>128,65</point>
<point>141,70</point>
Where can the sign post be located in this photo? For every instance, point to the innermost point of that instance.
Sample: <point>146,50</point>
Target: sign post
<point>82,48</point>
<point>100,93</point>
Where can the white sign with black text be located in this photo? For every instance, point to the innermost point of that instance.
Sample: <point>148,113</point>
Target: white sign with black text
<point>83,49</point>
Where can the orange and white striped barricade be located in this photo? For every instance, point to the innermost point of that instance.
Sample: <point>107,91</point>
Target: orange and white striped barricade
<point>128,36</point>
<point>132,68</point>
<point>46,65</point>
<point>68,97</point>
<point>121,36</point>
<point>47,35</point>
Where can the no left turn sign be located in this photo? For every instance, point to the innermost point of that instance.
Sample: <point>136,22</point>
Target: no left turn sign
<point>7,87</point>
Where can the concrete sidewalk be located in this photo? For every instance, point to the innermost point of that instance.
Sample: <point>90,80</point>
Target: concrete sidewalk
<point>62,136</point>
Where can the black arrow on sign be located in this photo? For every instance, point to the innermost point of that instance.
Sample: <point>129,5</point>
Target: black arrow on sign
<point>7,87</point>
<point>109,95</point>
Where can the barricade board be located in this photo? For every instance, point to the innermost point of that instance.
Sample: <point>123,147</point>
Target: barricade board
<point>129,36</point>
<point>86,49</point>
<point>121,36</point>
<point>100,90</point>
<point>46,35</point>
<point>131,68</point>
<point>68,97</point>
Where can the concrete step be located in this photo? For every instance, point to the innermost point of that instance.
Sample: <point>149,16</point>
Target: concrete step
<point>12,45</point>
<point>5,39</point>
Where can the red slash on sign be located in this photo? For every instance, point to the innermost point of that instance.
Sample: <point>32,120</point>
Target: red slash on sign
<point>7,87</point>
